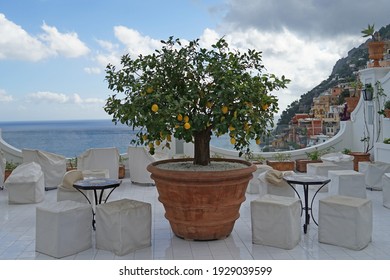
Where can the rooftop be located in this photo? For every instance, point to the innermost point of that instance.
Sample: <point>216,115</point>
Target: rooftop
<point>17,235</point>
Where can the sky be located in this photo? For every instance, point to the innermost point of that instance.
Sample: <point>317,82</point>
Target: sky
<point>53,53</point>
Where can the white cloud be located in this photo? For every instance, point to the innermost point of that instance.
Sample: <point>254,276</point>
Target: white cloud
<point>66,44</point>
<point>107,45</point>
<point>16,43</point>
<point>4,97</point>
<point>50,97</point>
<point>60,98</point>
<point>93,70</point>
<point>135,42</point>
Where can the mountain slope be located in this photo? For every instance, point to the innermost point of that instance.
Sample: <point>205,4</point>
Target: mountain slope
<point>343,71</point>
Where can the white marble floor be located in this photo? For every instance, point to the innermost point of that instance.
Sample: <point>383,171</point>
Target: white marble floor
<point>17,235</point>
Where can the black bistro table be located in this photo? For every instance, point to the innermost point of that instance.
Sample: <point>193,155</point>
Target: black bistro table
<point>97,184</point>
<point>306,181</point>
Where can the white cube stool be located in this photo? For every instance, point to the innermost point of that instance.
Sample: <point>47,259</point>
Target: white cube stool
<point>276,221</point>
<point>63,228</point>
<point>347,182</point>
<point>345,221</point>
<point>123,226</point>
<point>321,169</point>
<point>386,190</point>
<point>26,184</point>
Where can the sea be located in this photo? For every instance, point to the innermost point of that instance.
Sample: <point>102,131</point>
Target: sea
<point>70,138</point>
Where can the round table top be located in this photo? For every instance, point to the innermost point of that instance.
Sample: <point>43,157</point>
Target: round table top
<point>306,179</point>
<point>97,183</point>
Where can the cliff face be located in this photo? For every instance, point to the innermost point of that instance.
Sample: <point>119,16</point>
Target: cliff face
<point>343,71</point>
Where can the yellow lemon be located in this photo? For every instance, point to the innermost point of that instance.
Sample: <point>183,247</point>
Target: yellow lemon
<point>232,141</point>
<point>258,141</point>
<point>265,106</point>
<point>169,138</point>
<point>186,119</point>
<point>149,90</point>
<point>151,145</point>
<point>155,108</point>
<point>158,142</point>
<point>179,117</point>
<point>231,128</point>
<point>187,126</point>
<point>145,137</point>
<point>225,109</point>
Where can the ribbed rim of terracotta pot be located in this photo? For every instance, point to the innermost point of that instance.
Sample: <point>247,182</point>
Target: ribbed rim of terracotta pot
<point>248,168</point>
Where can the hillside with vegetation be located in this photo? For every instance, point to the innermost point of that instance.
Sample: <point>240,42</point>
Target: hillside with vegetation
<point>344,71</point>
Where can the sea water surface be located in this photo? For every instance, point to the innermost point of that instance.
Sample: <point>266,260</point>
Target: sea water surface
<point>67,138</point>
<point>71,138</point>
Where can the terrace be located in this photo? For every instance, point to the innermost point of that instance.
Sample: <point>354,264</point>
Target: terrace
<point>17,235</point>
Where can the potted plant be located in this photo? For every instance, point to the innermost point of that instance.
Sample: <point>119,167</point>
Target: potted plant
<point>71,164</point>
<point>387,109</point>
<point>191,93</point>
<point>361,156</point>
<point>312,157</point>
<point>9,167</point>
<point>375,46</point>
<point>282,162</point>
<point>122,168</point>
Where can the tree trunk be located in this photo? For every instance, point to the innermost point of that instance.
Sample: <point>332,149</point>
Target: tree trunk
<point>202,147</point>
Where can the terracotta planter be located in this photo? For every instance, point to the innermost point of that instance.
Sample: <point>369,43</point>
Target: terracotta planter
<point>121,172</point>
<point>387,113</point>
<point>375,51</point>
<point>281,165</point>
<point>7,172</point>
<point>358,157</point>
<point>351,103</point>
<point>301,164</point>
<point>201,205</point>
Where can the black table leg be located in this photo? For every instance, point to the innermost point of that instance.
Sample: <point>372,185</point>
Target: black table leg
<point>307,215</point>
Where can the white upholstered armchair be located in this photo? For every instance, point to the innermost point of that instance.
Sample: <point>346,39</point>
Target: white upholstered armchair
<point>100,159</point>
<point>53,166</point>
<point>139,159</point>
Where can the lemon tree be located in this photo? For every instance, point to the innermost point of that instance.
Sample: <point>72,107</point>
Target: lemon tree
<point>191,93</point>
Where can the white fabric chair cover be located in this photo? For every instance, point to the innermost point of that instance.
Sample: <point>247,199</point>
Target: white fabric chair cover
<point>254,184</point>
<point>100,159</point>
<point>276,221</point>
<point>374,172</point>
<point>66,191</point>
<point>345,221</point>
<point>2,168</point>
<point>386,190</point>
<point>53,165</point>
<point>347,183</point>
<point>26,184</point>
<point>139,158</point>
<point>342,160</point>
<point>63,228</point>
<point>123,226</point>
<point>272,182</point>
